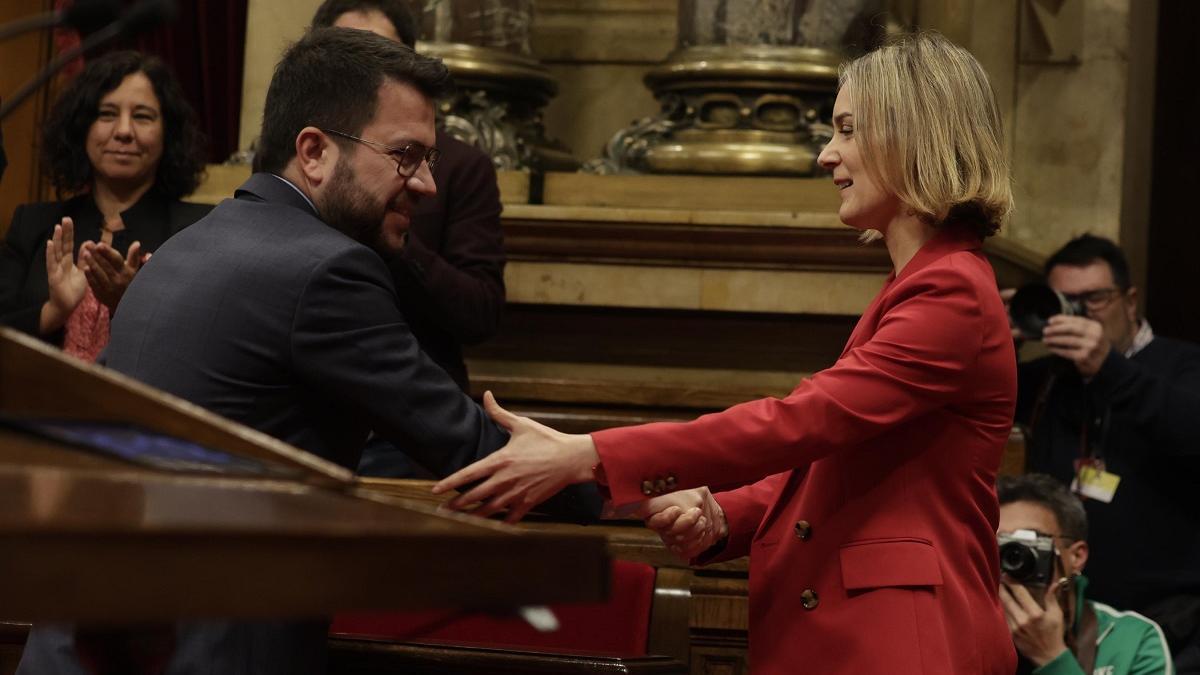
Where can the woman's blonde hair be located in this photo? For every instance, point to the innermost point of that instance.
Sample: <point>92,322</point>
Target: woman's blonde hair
<point>926,121</point>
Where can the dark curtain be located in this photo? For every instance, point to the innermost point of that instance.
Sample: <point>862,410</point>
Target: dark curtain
<point>205,46</point>
<point>1172,304</point>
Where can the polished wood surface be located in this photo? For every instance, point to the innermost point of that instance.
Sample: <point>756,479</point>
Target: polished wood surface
<point>37,380</point>
<point>91,538</point>
<point>367,657</point>
<point>133,545</point>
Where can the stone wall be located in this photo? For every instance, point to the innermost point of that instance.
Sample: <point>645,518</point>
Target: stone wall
<point>1062,80</point>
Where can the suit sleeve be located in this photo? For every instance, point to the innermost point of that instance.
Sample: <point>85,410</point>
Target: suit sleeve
<point>919,358</point>
<point>462,284</point>
<point>1163,406</point>
<point>349,338</point>
<point>16,258</point>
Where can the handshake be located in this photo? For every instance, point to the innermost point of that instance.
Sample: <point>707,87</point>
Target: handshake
<point>689,522</point>
<point>538,461</point>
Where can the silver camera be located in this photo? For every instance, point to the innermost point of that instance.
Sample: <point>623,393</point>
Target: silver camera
<point>1027,557</point>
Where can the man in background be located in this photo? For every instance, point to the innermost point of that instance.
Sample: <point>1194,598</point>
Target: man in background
<point>1114,413</point>
<point>1055,629</point>
<point>449,266</point>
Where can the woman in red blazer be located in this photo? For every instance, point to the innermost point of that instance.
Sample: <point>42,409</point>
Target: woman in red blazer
<point>868,506</point>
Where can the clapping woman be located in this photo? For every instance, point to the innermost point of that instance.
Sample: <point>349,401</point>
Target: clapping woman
<point>124,142</point>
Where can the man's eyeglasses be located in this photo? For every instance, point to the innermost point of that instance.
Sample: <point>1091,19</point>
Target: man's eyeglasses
<point>1095,300</point>
<point>408,158</point>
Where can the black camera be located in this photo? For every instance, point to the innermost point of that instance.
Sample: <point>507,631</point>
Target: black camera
<point>1033,305</point>
<point>1027,557</point>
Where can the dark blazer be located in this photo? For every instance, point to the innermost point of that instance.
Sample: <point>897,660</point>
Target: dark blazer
<point>264,314</point>
<point>23,286</point>
<point>872,527</point>
<point>1141,416</point>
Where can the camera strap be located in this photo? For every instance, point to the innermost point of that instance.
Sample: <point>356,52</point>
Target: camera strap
<point>1085,638</point>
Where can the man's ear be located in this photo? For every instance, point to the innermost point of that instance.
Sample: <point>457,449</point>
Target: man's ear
<point>316,155</point>
<point>1131,303</point>
<point>1075,556</point>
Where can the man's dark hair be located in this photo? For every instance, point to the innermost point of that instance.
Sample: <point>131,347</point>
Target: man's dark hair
<point>1087,249</point>
<point>395,10</point>
<point>1046,491</point>
<point>64,134</point>
<point>330,79</point>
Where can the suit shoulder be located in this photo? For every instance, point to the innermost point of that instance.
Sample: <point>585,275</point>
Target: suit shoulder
<point>186,213</point>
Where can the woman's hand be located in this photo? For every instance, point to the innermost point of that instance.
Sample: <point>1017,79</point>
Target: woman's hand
<point>66,281</point>
<point>689,521</point>
<point>107,272</point>
<point>536,463</point>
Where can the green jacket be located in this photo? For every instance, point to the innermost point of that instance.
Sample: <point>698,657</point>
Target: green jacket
<point>1127,643</point>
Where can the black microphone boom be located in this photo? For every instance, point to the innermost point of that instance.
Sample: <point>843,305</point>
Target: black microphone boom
<point>84,16</point>
<point>141,17</point>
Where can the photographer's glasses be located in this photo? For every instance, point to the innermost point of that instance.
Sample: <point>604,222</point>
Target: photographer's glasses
<point>1095,300</point>
<point>408,158</point>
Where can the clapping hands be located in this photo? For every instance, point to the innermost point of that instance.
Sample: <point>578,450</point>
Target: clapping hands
<point>108,272</point>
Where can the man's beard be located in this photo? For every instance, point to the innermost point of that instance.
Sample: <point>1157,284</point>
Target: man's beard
<point>352,210</point>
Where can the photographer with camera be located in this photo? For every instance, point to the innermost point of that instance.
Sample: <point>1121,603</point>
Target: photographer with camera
<point>1043,549</point>
<point>1114,412</point>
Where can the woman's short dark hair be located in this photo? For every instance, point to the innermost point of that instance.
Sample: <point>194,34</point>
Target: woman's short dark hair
<point>395,10</point>
<point>64,135</point>
<point>330,79</point>
<point>1049,493</point>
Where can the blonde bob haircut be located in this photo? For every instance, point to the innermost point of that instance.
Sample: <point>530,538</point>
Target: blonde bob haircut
<point>927,124</point>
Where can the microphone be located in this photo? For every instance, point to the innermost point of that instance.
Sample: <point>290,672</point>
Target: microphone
<point>141,17</point>
<point>84,16</point>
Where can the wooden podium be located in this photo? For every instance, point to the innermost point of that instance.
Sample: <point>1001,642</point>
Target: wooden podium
<point>86,537</point>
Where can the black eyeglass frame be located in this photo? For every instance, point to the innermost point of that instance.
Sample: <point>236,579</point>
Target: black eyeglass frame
<point>1096,299</point>
<point>398,155</point>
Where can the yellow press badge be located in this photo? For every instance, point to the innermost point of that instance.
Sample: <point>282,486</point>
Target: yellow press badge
<point>1093,482</point>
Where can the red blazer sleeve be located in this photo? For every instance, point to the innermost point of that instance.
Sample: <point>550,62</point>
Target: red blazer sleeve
<point>919,358</point>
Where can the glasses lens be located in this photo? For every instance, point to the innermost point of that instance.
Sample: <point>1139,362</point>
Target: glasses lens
<point>410,159</point>
<point>1098,299</point>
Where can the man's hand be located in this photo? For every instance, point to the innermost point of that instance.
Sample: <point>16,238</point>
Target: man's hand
<point>1078,339</point>
<point>107,272</point>
<point>66,281</point>
<point>689,521</point>
<point>536,463</point>
<point>1037,632</point>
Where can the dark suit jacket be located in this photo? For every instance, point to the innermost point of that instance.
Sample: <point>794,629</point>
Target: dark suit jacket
<point>23,287</point>
<point>266,315</point>
<point>872,527</point>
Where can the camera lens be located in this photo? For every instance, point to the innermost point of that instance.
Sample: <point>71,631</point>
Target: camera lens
<point>1033,305</point>
<point>1018,561</point>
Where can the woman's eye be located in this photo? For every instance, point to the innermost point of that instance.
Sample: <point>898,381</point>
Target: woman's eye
<point>107,115</point>
<point>845,130</point>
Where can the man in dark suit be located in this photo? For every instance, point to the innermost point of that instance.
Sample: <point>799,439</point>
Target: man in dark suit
<point>276,311</point>
<point>449,266</point>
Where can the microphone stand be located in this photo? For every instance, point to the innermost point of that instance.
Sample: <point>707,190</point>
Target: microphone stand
<point>59,62</point>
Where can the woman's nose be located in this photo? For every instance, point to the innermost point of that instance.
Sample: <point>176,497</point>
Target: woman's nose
<point>828,157</point>
<point>124,128</point>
